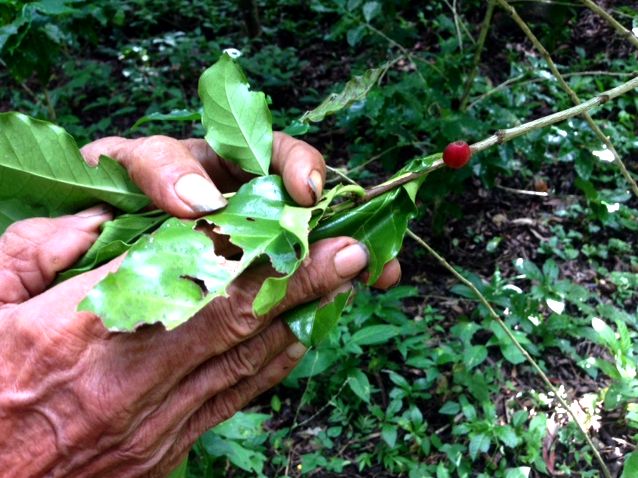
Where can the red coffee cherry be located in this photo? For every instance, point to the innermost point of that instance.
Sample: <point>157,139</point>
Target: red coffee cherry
<point>457,154</point>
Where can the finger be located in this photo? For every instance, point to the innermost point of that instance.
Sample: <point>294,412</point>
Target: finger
<point>216,375</point>
<point>301,166</point>
<point>230,320</point>
<point>33,251</point>
<point>165,170</point>
<point>390,276</point>
<point>225,404</point>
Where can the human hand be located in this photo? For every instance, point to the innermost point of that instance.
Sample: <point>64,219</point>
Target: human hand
<point>77,400</point>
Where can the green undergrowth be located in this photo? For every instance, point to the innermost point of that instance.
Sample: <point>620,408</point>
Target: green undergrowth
<point>417,382</point>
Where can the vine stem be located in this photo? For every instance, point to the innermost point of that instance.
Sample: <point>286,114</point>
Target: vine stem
<point>622,31</point>
<point>516,343</point>
<point>485,27</point>
<point>570,92</point>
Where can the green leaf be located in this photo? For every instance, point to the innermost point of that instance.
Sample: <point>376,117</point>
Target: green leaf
<point>237,121</point>
<point>374,334</point>
<point>518,472</point>
<point>175,115</point>
<point>12,210</point>
<point>380,224</point>
<point>166,277</point>
<point>371,10</point>
<point>262,219</point>
<point>479,443</point>
<point>355,90</point>
<point>450,408</point>
<point>159,281</point>
<point>359,384</point>
<point>630,469</point>
<point>474,355</point>
<point>312,323</point>
<point>389,434</point>
<point>117,237</point>
<point>41,167</point>
<point>508,436</point>
<point>180,471</point>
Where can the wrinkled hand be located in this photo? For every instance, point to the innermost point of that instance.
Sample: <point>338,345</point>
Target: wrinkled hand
<point>77,400</point>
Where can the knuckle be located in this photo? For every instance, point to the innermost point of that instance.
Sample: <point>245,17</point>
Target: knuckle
<point>310,281</point>
<point>237,317</point>
<point>225,406</point>
<point>247,359</point>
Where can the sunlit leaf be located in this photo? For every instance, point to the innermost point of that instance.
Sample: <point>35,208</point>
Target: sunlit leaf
<point>166,277</point>
<point>237,120</point>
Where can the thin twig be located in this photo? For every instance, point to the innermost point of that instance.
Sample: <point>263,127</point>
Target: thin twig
<point>508,134</point>
<point>506,83</point>
<point>485,27</point>
<point>324,407</point>
<point>570,92</point>
<point>517,344</point>
<point>457,25</point>
<point>622,31</point>
<point>523,191</point>
<point>500,137</point>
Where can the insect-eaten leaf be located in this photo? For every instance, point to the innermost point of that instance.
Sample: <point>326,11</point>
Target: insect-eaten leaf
<point>262,219</point>
<point>237,121</point>
<point>162,276</point>
<point>166,277</point>
<point>42,172</point>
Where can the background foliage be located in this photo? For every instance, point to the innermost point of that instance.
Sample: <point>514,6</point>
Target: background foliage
<point>417,382</point>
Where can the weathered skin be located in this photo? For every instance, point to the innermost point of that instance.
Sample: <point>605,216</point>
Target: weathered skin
<point>79,401</point>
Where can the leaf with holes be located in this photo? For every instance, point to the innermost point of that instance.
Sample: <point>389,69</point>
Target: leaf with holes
<point>166,277</point>
<point>262,219</point>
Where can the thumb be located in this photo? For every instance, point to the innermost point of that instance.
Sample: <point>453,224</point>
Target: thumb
<point>33,251</point>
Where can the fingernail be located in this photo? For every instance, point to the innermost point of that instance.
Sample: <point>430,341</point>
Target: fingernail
<point>316,185</point>
<point>351,260</point>
<point>296,350</point>
<point>199,193</point>
<point>99,210</point>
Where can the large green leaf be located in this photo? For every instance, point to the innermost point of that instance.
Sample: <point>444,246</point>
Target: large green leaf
<point>117,237</point>
<point>237,121</point>
<point>380,224</point>
<point>166,277</point>
<point>355,90</point>
<point>41,167</point>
